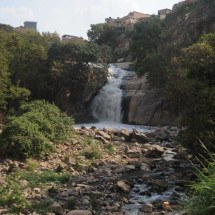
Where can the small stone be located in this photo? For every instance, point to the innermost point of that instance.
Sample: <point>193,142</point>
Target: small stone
<point>69,161</point>
<point>145,167</point>
<point>130,167</point>
<point>23,183</point>
<point>123,186</point>
<point>80,212</point>
<point>86,202</point>
<point>37,190</point>
<point>148,208</point>
<point>56,208</point>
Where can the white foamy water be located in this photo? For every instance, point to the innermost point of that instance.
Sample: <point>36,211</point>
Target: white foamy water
<point>106,106</point>
<point>117,126</point>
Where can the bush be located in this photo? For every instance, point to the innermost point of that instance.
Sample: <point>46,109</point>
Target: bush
<point>30,132</point>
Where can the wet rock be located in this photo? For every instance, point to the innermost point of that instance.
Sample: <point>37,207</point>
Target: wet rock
<point>80,212</point>
<point>160,184</point>
<point>56,208</point>
<point>123,186</point>
<point>148,208</point>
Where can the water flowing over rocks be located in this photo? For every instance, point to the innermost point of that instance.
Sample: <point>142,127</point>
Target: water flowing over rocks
<point>106,106</point>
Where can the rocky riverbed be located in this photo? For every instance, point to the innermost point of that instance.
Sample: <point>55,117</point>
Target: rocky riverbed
<point>112,172</point>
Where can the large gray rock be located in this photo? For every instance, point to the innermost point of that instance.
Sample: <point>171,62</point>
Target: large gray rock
<point>144,105</point>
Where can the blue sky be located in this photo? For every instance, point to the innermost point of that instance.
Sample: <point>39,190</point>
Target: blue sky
<point>73,16</point>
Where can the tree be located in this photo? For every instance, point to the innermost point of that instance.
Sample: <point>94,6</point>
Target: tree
<point>146,40</point>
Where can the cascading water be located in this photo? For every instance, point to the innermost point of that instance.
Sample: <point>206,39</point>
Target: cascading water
<point>106,107</point>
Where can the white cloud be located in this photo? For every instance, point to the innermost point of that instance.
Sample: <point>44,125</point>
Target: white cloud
<point>16,13</point>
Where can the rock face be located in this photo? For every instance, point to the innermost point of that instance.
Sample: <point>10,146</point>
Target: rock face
<point>76,98</point>
<point>144,105</point>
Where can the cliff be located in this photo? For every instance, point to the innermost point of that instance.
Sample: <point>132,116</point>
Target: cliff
<point>144,105</point>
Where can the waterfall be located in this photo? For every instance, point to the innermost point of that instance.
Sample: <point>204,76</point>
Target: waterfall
<point>106,106</point>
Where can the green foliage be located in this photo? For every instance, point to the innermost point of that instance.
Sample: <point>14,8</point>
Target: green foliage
<point>71,203</point>
<point>55,125</point>
<point>92,150</point>
<point>146,41</point>
<point>6,28</point>
<point>29,133</point>
<point>11,195</point>
<point>41,179</point>
<point>202,200</point>
<point>194,85</point>
<point>146,37</point>
<point>42,207</point>
<point>31,165</point>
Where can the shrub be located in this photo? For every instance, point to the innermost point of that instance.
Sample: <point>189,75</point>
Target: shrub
<point>30,132</point>
<point>202,201</point>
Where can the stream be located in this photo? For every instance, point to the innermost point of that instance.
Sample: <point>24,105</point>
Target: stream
<point>158,182</point>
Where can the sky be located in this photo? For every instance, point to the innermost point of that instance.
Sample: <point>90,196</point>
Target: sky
<point>73,17</point>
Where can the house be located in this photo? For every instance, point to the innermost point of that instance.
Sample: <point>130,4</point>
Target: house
<point>127,21</point>
<point>28,25</point>
<point>163,13</point>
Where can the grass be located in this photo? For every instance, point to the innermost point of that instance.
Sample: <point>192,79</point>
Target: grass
<point>202,199</point>
<point>71,203</point>
<point>12,194</point>
<point>36,179</point>
<point>42,207</point>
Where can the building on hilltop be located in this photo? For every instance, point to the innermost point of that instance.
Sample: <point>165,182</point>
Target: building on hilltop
<point>27,26</point>
<point>127,21</point>
<point>163,13</point>
<point>30,25</point>
<point>69,38</point>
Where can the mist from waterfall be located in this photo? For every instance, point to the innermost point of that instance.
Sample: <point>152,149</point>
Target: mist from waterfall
<point>106,106</point>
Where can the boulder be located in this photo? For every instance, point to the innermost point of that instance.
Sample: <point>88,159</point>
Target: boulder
<point>140,137</point>
<point>104,135</point>
<point>124,133</point>
<point>155,151</point>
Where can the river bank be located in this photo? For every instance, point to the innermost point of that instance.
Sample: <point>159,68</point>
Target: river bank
<point>110,172</point>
